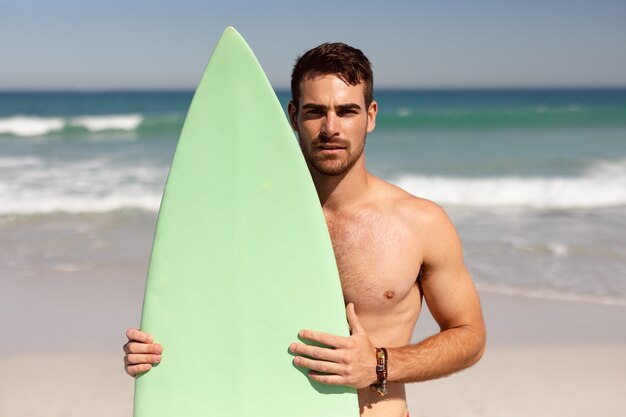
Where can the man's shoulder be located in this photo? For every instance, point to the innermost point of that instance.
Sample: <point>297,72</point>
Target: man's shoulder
<point>412,209</point>
<point>427,222</point>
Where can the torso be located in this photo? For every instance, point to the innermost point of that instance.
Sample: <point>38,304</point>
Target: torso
<point>378,250</point>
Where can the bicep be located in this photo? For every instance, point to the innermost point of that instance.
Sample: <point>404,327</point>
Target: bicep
<point>447,286</point>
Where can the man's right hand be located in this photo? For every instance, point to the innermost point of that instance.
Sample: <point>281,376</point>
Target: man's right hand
<point>141,352</point>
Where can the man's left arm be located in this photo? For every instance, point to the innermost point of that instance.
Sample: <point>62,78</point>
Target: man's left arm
<point>454,304</point>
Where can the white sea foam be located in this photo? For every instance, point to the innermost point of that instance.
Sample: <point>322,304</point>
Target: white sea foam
<point>93,185</point>
<point>607,168</point>
<point>26,126</point>
<point>572,108</point>
<point>30,126</point>
<point>558,249</point>
<point>404,112</point>
<point>126,122</point>
<point>19,162</point>
<point>549,294</point>
<point>588,191</point>
<point>91,189</point>
<point>80,203</point>
<point>28,185</point>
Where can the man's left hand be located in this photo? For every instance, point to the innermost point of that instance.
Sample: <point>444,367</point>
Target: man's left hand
<point>347,361</point>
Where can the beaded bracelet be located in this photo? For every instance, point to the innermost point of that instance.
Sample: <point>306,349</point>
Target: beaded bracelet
<point>381,372</point>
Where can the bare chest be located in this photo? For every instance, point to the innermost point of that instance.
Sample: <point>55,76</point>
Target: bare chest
<point>377,258</point>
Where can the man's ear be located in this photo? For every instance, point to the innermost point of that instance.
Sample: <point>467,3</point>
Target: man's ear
<point>372,111</point>
<point>292,110</point>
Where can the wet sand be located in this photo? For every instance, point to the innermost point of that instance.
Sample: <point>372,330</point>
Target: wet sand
<point>62,326</point>
<point>544,357</point>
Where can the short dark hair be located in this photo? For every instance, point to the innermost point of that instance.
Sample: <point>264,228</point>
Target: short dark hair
<point>344,61</point>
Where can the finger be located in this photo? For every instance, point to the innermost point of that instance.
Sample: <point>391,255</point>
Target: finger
<point>136,335</point>
<point>319,366</point>
<point>316,352</point>
<point>136,359</point>
<point>353,320</point>
<point>138,369</point>
<point>327,379</point>
<point>134,347</point>
<point>324,338</point>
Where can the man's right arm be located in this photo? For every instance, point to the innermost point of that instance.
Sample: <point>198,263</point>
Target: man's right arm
<point>141,353</point>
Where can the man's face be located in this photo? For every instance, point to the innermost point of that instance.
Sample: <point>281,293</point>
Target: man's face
<point>331,121</point>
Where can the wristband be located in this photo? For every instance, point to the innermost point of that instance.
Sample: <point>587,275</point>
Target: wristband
<point>381,372</point>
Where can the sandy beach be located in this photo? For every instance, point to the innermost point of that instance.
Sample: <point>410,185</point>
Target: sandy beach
<point>543,358</point>
<point>515,381</point>
<point>60,353</point>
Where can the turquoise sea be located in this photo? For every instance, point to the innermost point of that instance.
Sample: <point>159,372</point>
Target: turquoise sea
<point>535,180</point>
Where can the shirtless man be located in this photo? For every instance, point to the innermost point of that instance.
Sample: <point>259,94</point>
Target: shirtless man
<point>392,250</point>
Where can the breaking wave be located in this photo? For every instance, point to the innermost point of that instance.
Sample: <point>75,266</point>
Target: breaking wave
<point>602,185</point>
<point>29,126</point>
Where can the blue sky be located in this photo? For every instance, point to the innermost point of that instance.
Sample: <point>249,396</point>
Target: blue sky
<point>114,44</point>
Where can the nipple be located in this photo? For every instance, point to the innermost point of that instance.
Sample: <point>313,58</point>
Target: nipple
<point>389,294</point>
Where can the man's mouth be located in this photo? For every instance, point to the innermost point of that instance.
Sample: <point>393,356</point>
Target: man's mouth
<point>329,147</point>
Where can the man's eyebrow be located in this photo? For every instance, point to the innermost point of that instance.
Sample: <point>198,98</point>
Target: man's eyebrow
<point>346,106</point>
<point>349,106</point>
<point>314,106</point>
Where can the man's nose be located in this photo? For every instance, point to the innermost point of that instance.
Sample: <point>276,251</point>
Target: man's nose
<point>331,125</point>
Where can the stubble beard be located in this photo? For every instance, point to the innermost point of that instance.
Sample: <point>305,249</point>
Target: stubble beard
<point>333,165</point>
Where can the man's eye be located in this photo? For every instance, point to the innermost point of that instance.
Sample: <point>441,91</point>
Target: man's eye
<point>346,112</point>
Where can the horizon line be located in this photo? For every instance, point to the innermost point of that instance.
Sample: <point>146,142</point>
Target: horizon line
<point>287,89</point>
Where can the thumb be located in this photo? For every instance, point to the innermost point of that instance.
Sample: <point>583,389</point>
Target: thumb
<point>353,320</point>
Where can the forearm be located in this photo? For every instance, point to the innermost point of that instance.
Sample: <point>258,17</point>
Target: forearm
<point>445,353</point>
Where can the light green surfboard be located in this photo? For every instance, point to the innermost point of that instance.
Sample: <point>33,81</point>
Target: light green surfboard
<point>241,261</point>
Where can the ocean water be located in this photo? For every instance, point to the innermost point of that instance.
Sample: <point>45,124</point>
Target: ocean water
<point>535,180</point>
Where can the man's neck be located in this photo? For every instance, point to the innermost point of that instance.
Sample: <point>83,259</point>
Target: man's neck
<point>342,191</point>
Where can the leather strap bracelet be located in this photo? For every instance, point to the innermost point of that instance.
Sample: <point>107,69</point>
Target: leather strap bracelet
<point>382,359</point>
